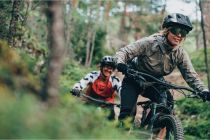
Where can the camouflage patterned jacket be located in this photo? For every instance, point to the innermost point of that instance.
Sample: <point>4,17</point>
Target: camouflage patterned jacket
<point>155,56</point>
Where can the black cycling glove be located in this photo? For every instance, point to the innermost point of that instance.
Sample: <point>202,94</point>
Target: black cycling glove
<point>122,68</point>
<point>75,92</point>
<point>205,95</point>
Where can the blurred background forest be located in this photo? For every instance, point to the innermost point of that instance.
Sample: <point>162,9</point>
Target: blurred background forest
<point>47,46</point>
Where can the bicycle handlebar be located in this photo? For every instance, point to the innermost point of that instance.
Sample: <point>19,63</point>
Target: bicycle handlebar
<point>98,101</point>
<point>136,75</point>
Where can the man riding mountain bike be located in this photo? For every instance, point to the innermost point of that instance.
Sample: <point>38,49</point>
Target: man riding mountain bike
<point>157,55</point>
<point>101,85</point>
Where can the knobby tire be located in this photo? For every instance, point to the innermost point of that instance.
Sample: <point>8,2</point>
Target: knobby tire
<point>174,130</point>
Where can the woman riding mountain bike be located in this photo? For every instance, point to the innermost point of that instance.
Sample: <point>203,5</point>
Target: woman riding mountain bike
<point>101,84</point>
<point>157,55</point>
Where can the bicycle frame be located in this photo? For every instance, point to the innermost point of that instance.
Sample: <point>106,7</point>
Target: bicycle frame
<point>160,113</point>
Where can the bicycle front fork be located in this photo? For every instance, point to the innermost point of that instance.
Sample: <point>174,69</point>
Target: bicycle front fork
<point>153,116</point>
<point>147,115</point>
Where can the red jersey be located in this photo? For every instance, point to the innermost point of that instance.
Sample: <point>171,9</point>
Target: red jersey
<point>99,88</point>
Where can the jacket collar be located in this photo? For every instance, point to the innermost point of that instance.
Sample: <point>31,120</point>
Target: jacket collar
<point>164,46</point>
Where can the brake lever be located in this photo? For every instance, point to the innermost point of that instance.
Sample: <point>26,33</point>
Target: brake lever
<point>135,75</point>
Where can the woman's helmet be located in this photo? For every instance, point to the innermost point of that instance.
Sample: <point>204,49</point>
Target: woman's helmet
<point>179,20</point>
<point>108,61</point>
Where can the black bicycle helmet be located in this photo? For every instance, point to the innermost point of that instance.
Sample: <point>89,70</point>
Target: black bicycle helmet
<point>179,20</point>
<point>108,61</point>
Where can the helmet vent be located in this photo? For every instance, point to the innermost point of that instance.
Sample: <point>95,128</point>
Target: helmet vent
<point>178,16</point>
<point>108,60</point>
<point>170,16</point>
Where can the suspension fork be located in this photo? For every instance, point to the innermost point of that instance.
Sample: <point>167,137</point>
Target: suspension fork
<point>153,116</point>
<point>148,115</point>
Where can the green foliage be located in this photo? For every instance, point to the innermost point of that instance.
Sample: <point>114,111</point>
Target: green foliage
<point>14,73</point>
<point>5,16</point>
<point>190,107</point>
<point>197,58</point>
<point>100,50</point>
<point>78,41</point>
<point>195,118</point>
<point>36,22</point>
<point>71,74</point>
<point>189,43</point>
<point>79,38</point>
<point>29,60</point>
<point>199,128</point>
<point>188,137</point>
<point>79,45</point>
<point>150,24</point>
<point>26,118</point>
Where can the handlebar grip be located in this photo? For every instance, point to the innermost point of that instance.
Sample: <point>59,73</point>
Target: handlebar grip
<point>75,92</point>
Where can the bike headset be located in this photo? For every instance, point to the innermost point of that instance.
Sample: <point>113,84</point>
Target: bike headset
<point>178,20</point>
<point>108,61</point>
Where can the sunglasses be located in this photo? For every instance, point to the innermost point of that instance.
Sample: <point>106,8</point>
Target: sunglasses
<point>109,67</point>
<point>178,31</point>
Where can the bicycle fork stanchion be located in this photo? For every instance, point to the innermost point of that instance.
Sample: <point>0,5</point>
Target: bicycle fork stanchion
<point>154,116</point>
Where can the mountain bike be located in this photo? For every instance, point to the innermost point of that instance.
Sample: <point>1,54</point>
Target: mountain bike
<point>157,118</point>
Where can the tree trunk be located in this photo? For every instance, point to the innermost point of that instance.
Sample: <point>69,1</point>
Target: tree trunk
<point>56,46</point>
<point>74,3</point>
<point>122,32</point>
<point>92,49</point>
<point>107,10</point>
<point>68,28</point>
<point>163,10</point>
<point>204,41</point>
<point>93,37</point>
<point>206,13</point>
<point>28,7</point>
<point>13,23</point>
<point>88,47</point>
<point>196,27</point>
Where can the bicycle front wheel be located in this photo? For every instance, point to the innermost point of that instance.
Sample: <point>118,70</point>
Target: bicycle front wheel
<point>168,127</point>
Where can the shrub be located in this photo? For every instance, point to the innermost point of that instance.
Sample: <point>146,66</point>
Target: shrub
<point>29,118</point>
<point>194,115</point>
